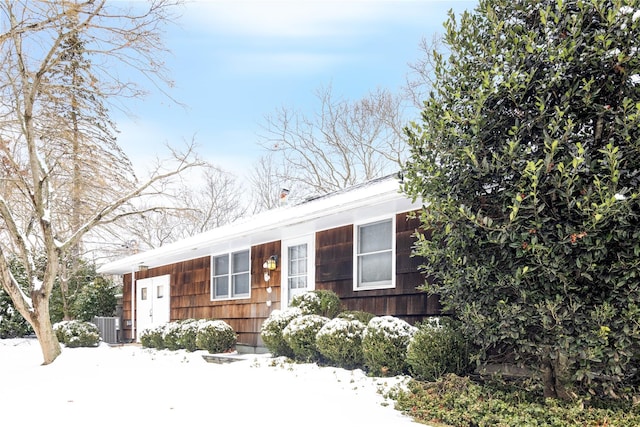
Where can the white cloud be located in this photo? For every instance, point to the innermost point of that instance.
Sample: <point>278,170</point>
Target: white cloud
<point>287,36</point>
<point>284,18</point>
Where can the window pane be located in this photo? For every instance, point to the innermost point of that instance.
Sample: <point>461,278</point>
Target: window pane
<point>302,282</point>
<point>143,293</point>
<point>231,275</point>
<point>221,285</point>
<point>375,268</point>
<point>241,262</point>
<point>302,267</point>
<point>221,265</point>
<point>241,284</point>
<point>297,260</point>
<point>293,252</point>
<point>299,282</point>
<point>374,237</point>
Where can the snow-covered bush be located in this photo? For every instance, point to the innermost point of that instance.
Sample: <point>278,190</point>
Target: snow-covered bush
<point>384,345</point>
<point>340,342</point>
<point>437,348</point>
<point>321,302</point>
<point>189,333</point>
<point>76,333</point>
<point>171,335</point>
<point>271,331</point>
<point>362,316</point>
<point>215,336</point>
<point>153,337</point>
<point>300,335</point>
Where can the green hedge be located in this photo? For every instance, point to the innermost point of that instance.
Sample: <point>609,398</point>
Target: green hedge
<point>459,401</point>
<point>300,336</point>
<point>215,336</point>
<point>76,333</point>
<point>384,345</point>
<point>321,302</point>
<point>437,348</point>
<point>339,341</point>
<point>271,331</point>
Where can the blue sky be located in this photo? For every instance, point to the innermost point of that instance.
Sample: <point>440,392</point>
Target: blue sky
<point>235,61</point>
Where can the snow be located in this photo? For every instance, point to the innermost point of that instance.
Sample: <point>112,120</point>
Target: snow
<point>127,385</point>
<point>46,216</point>
<point>37,283</point>
<point>391,327</point>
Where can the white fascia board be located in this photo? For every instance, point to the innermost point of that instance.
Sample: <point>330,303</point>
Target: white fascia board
<point>325,212</point>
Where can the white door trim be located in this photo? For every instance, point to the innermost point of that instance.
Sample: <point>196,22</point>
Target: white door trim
<point>309,240</point>
<point>155,309</point>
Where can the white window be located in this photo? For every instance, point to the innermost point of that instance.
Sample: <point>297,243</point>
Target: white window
<point>374,254</point>
<point>230,276</point>
<point>297,266</point>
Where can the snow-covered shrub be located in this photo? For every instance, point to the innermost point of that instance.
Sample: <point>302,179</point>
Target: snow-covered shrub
<point>384,345</point>
<point>362,316</point>
<point>340,342</point>
<point>153,337</point>
<point>437,348</point>
<point>215,336</point>
<point>189,333</point>
<point>271,331</point>
<point>321,302</point>
<point>76,333</point>
<point>300,335</point>
<point>171,335</point>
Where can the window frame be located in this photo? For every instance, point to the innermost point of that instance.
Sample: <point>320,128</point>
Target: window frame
<point>310,241</point>
<point>230,274</point>
<point>386,284</point>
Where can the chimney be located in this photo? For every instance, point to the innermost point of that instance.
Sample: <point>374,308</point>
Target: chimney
<point>283,196</point>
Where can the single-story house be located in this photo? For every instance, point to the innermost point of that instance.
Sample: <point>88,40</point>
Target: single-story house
<point>356,242</point>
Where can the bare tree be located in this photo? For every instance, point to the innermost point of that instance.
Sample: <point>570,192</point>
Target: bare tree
<point>344,143</point>
<point>209,201</point>
<point>273,183</point>
<point>420,78</point>
<point>54,128</point>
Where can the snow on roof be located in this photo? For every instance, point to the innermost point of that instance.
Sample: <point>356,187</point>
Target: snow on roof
<point>375,198</point>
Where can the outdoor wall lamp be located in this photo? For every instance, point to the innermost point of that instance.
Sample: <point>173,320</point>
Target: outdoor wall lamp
<point>271,263</point>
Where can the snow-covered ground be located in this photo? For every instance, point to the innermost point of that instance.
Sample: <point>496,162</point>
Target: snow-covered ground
<point>130,385</point>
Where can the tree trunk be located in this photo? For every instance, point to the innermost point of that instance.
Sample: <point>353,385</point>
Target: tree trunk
<point>41,323</point>
<point>548,381</point>
<point>554,378</point>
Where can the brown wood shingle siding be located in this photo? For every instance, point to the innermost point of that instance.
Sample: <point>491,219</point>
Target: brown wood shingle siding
<point>191,294</point>
<point>334,255</point>
<point>334,271</point>
<point>191,282</point>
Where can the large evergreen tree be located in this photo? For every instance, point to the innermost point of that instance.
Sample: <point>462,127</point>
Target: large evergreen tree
<point>528,155</point>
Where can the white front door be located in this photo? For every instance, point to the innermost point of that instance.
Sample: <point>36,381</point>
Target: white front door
<point>298,268</point>
<point>152,302</point>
